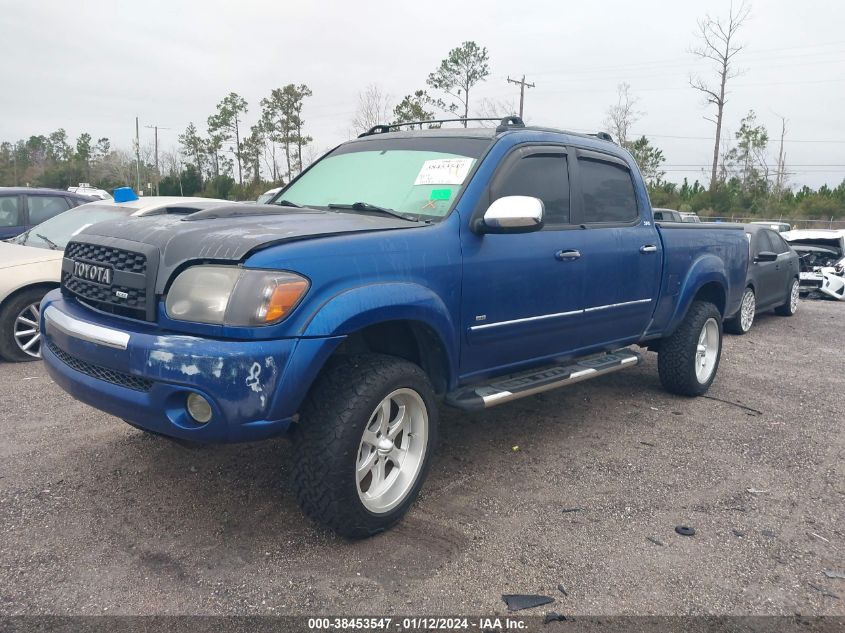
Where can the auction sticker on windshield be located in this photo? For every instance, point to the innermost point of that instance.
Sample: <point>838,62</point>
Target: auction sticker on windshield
<point>444,171</point>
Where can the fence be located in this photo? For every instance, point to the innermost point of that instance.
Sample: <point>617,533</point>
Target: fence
<point>796,223</point>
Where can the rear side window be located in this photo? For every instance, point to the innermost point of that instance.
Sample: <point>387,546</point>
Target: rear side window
<point>9,211</point>
<point>543,176</point>
<point>608,192</point>
<point>45,207</point>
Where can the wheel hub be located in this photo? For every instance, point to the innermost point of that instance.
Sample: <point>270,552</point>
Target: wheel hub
<point>392,450</point>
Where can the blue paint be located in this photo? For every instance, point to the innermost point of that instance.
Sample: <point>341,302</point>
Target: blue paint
<point>443,275</point>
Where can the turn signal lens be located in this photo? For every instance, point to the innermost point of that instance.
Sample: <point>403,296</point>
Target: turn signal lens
<point>282,298</point>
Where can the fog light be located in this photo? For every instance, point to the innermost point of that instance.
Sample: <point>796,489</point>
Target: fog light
<point>199,408</point>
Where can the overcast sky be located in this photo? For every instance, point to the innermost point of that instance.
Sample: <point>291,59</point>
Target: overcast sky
<point>94,65</point>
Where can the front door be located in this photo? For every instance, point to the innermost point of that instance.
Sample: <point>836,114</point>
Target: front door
<point>522,293</point>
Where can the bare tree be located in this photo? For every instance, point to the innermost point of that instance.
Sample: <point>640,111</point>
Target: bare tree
<point>718,44</point>
<point>622,116</point>
<point>780,176</point>
<point>373,108</point>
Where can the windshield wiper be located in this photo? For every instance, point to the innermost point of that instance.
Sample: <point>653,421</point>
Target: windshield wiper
<point>49,242</point>
<point>366,206</point>
<point>288,203</point>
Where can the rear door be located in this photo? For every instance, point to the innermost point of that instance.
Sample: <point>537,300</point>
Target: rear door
<point>12,221</point>
<point>621,251</point>
<point>522,294</point>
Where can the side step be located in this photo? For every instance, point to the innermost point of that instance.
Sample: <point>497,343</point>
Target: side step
<point>514,386</point>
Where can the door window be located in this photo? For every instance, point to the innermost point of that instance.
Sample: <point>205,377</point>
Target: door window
<point>543,176</point>
<point>765,243</point>
<point>10,214</point>
<point>608,192</point>
<point>779,246</point>
<point>45,207</point>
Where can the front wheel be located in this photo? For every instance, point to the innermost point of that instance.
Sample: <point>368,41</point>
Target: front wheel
<point>741,323</point>
<point>689,358</point>
<point>363,445</point>
<point>20,326</point>
<point>790,306</point>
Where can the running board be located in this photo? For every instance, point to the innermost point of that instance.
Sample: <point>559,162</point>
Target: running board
<point>515,386</point>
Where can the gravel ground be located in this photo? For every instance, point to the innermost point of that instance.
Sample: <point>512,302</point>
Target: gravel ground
<point>96,517</point>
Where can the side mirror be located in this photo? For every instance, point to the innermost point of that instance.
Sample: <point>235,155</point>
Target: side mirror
<point>513,214</point>
<point>766,256</point>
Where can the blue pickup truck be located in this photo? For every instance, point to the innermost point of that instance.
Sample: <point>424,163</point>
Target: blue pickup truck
<point>402,270</point>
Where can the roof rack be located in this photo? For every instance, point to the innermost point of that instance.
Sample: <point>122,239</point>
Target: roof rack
<point>505,124</point>
<point>604,136</point>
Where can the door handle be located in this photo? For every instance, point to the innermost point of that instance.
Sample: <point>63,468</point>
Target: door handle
<point>568,255</point>
<point>648,248</point>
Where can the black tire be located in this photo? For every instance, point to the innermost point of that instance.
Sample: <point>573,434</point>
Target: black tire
<point>677,358</point>
<point>9,349</point>
<point>787,308</point>
<point>327,438</point>
<point>734,324</point>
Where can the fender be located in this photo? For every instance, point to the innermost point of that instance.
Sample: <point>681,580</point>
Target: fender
<point>706,269</point>
<point>357,308</point>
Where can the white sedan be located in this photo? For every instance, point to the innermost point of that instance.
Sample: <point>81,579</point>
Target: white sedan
<point>31,264</point>
<point>822,257</point>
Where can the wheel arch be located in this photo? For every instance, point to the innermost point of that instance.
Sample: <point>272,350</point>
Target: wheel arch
<point>47,286</point>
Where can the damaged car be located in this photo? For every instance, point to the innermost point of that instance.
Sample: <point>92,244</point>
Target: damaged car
<point>822,256</point>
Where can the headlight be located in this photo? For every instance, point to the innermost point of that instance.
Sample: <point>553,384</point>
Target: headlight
<point>234,296</point>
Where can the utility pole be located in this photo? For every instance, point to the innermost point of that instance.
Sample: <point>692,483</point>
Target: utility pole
<point>137,158</point>
<point>158,174</point>
<point>522,86</point>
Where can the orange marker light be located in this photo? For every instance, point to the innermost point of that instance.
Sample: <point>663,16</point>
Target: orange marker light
<point>284,297</point>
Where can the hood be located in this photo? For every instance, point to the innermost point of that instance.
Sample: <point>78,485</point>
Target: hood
<point>229,233</point>
<point>819,237</point>
<point>17,255</point>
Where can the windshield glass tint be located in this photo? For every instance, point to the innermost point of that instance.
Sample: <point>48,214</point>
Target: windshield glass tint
<point>62,228</point>
<point>417,178</point>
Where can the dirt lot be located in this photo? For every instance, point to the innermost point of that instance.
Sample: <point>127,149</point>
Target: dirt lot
<point>96,517</point>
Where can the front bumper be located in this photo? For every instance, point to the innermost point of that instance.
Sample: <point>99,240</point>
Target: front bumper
<point>134,371</point>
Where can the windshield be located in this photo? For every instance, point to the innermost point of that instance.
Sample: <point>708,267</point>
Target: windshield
<point>59,230</point>
<point>415,177</point>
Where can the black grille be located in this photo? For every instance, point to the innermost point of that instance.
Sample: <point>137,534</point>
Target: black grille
<point>121,260</point>
<point>135,300</point>
<point>130,268</point>
<point>99,372</point>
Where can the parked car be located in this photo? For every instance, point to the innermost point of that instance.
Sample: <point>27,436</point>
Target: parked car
<point>30,264</point>
<point>822,253</point>
<point>772,279</point>
<point>688,216</point>
<point>780,227</point>
<point>268,195</point>
<point>21,208</point>
<point>401,268</point>
<point>667,215</point>
<point>86,189</point>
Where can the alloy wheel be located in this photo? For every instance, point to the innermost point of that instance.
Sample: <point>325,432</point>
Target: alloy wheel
<point>27,330</point>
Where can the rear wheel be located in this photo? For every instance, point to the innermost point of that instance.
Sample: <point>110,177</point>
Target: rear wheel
<point>741,323</point>
<point>790,306</point>
<point>20,326</point>
<point>364,444</point>
<point>689,358</point>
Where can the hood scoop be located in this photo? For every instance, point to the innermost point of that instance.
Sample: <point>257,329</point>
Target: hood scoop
<point>243,211</point>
